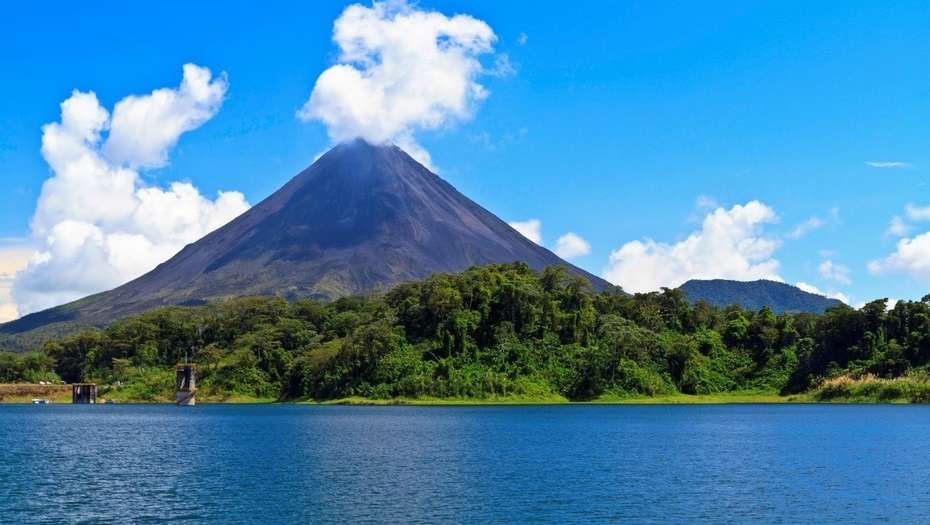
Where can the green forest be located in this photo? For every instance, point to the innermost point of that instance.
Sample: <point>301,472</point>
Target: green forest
<point>496,332</point>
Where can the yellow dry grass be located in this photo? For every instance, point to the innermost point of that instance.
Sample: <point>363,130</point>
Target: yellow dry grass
<point>25,393</point>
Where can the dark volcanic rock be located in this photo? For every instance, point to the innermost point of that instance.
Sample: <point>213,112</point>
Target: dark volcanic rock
<point>753,295</point>
<point>362,218</point>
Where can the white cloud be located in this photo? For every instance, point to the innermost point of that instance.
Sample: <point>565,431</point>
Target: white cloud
<point>571,245</point>
<point>814,223</point>
<point>889,305</point>
<point>887,164</point>
<point>917,213</point>
<point>144,128</point>
<point>97,223</point>
<point>911,257</point>
<point>806,227</point>
<point>522,39</point>
<point>706,202</point>
<point>567,246</point>
<point>502,67</point>
<point>401,70</point>
<point>702,204</point>
<point>531,229</point>
<point>810,288</point>
<point>12,260</point>
<point>834,272</point>
<point>898,227</point>
<point>730,244</point>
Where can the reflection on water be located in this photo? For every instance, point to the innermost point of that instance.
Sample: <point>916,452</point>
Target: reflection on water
<point>559,464</point>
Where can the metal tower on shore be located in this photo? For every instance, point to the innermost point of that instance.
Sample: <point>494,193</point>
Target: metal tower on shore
<point>185,385</point>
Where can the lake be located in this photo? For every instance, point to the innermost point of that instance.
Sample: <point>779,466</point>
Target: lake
<point>539,464</point>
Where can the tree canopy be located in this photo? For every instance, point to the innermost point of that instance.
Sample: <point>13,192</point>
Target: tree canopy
<point>499,330</point>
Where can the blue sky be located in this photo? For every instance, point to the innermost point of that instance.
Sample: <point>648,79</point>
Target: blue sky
<point>622,121</point>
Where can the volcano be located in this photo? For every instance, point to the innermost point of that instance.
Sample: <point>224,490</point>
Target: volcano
<point>360,219</point>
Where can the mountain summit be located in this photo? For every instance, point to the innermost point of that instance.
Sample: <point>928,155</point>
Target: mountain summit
<point>361,218</point>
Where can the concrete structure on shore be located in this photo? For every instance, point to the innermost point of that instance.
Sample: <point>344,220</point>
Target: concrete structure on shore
<point>84,393</point>
<point>185,385</point>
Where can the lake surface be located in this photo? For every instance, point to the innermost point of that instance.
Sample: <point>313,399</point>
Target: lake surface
<point>545,464</point>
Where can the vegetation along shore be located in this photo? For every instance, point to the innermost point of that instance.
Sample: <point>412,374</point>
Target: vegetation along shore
<point>497,334</point>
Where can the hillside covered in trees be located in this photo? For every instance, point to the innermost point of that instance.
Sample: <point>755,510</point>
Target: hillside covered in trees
<point>753,295</point>
<point>495,332</point>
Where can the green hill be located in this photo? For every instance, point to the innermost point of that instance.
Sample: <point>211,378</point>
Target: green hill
<point>753,295</point>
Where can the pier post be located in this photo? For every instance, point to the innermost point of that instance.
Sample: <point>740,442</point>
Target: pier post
<point>84,393</point>
<point>186,385</point>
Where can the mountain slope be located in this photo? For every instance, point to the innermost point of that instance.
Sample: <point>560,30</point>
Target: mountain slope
<point>361,218</point>
<point>753,295</point>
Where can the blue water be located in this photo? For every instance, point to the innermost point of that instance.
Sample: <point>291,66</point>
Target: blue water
<point>561,464</point>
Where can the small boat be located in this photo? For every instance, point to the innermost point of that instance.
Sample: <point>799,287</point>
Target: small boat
<point>39,401</point>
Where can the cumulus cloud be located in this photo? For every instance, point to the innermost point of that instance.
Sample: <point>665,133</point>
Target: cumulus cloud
<point>568,246</point>
<point>731,244</point>
<point>884,164</point>
<point>834,272</point>
<point>809,288</point>
<point>144,128</point>
<point>12,260</point>
<point>901,227</point>
<point>531,229</point>
<point>911,257</point>
<point>97,223</point>
<point>401,70</point>
<point>571,245</point>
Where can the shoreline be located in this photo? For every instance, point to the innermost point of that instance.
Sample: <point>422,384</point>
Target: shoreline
<point>670,399</point>
<point>726,398</point>
<point>474,403</point>
<point>24,393</point>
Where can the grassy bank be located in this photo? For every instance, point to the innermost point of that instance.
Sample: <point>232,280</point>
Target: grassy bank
<point>670,399</point>
<point>137,394</point>
<point>871,389</point>
<point>133,394</point>
<point>498,400</point>
<point>843,389</point>
<point>25,393</point>
<point>721,398</point>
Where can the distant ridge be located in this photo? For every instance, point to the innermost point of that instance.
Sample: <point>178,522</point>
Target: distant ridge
<point>753,295</point>
<point>362,218</point>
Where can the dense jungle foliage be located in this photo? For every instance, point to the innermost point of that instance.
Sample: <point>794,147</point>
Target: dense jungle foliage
<point>492,331</point>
